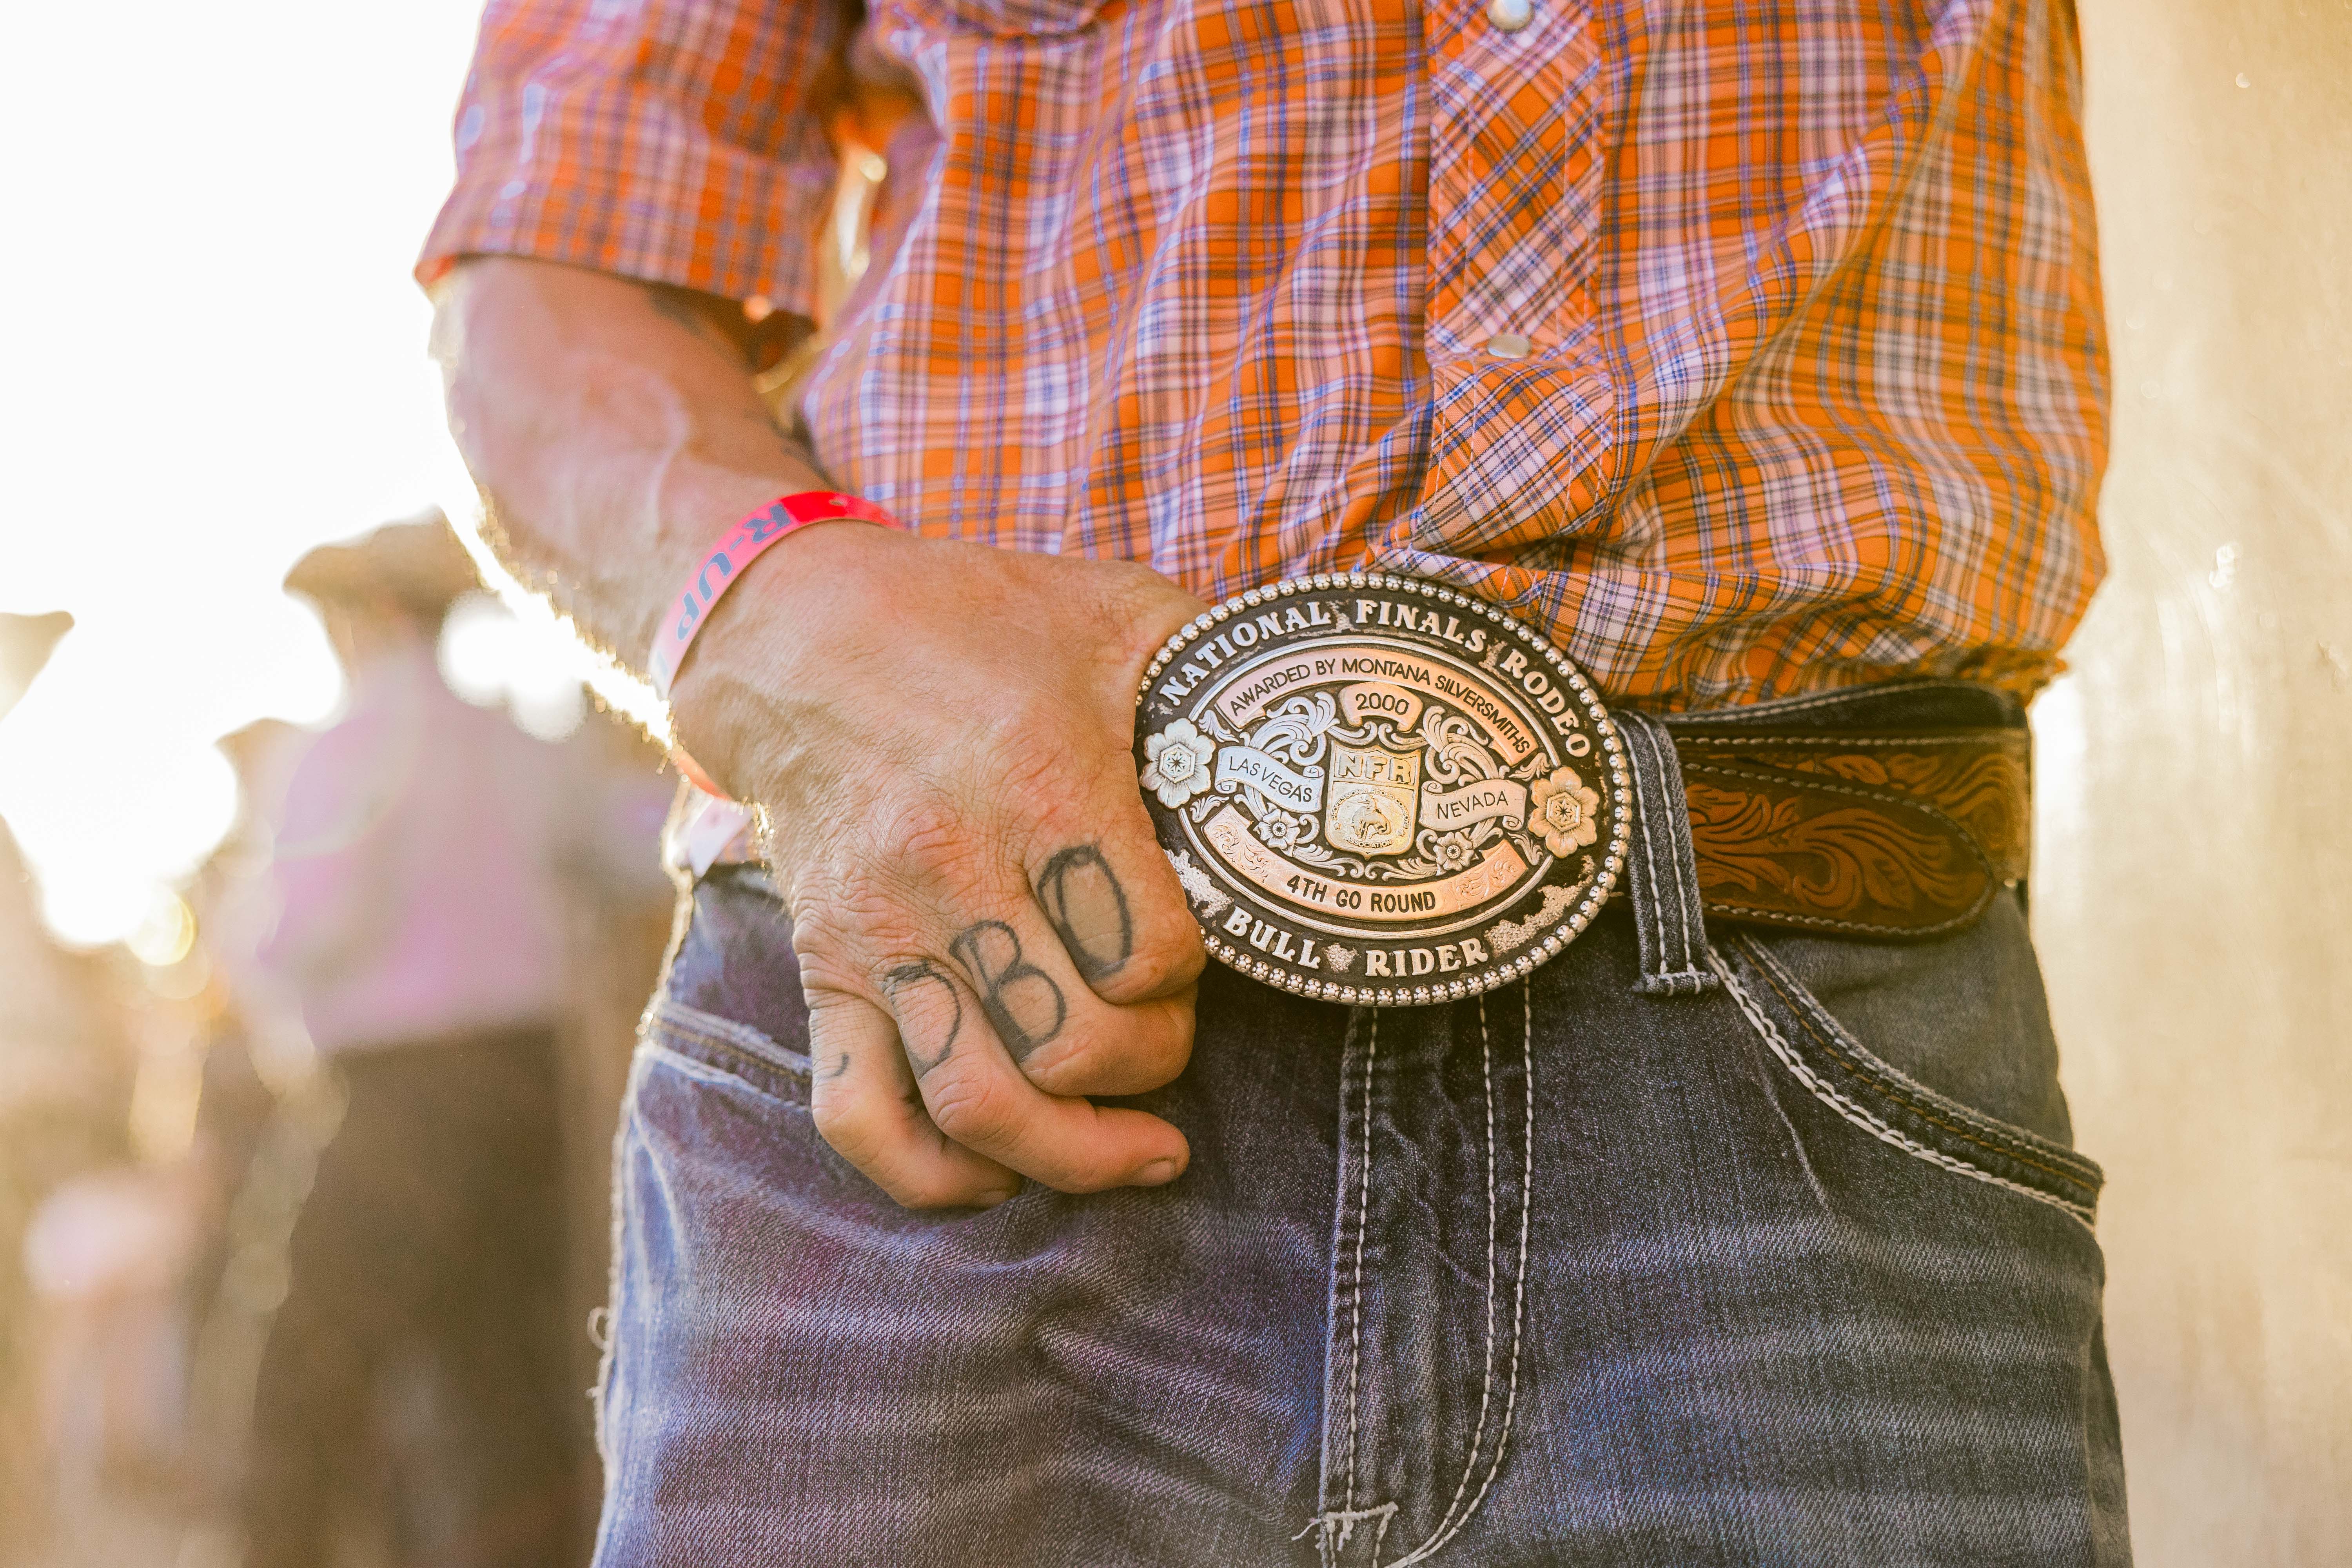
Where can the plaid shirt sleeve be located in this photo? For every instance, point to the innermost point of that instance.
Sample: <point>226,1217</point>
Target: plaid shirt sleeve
<point>672,140</point>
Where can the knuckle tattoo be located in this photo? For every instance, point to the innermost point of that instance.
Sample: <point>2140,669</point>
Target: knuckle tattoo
<point>1022,1003</point>
<point>905,981</point>
<point>1084,898</point>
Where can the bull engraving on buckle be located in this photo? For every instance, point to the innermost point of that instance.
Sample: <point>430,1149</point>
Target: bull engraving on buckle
<point>1379,791</point>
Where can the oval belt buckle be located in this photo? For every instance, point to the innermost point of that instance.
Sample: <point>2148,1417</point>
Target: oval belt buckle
<point>1379,791</point>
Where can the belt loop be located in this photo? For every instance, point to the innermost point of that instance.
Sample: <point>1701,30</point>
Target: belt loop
<point>1667,915</point>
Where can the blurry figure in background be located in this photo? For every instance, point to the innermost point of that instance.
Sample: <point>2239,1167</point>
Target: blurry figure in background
<point>106,1252</point>
<point>65,1087</point>
<point>618,906</point>
<point>258,1046</point>
<point>414,1386</point>
<point>263,1113</point>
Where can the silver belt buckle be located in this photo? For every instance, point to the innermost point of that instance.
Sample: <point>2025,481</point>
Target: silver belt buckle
<point>1379,791</point>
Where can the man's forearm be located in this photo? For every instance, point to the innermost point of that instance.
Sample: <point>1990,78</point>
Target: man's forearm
<point>613,429</point>
<point>939,732</point>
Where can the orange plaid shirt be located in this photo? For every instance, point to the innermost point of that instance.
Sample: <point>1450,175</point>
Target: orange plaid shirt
<point>1748,347</point>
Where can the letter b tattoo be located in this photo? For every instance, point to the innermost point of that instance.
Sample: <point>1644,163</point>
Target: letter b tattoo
<point>1020,999</point>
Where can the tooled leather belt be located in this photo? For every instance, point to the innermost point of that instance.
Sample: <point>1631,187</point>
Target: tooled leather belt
<point>1379,790</point>
<point>1890,836</point>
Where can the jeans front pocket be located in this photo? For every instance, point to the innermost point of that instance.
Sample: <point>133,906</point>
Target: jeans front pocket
<point>1976,1091</point>
<point>735,1049</point>
<point>731,994</point>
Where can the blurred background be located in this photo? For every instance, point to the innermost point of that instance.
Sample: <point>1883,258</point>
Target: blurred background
<point>217,366</point>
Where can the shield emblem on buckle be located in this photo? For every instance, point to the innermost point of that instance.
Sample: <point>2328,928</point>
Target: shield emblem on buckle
<point>1373,799</point>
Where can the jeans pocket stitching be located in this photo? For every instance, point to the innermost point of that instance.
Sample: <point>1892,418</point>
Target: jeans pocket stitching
<point>1450,1525</point>
<point>1356,1289</point>
<point>1860,1116</point>
<point>2014,1144</point>
<point>1332,1526</point>
<point>698,1035</point>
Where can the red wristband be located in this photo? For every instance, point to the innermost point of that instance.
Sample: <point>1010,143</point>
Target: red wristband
<point>738,548</point>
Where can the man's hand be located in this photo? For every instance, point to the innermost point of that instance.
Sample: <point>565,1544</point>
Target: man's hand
<point>940,733</point>
<point>987,930</point>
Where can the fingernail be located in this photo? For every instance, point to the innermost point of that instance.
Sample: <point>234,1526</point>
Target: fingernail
<point>1159,1172</point>
<point>989,1200</point>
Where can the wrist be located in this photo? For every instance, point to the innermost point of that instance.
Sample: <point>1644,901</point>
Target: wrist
<point>723,701</point>
<point>723,564</point>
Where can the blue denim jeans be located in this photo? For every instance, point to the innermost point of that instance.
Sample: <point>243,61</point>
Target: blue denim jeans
<point>1716,1247</point>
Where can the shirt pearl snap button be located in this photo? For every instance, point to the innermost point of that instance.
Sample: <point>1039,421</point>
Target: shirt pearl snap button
<point>1508,345</point>
<point>1510,15</point>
